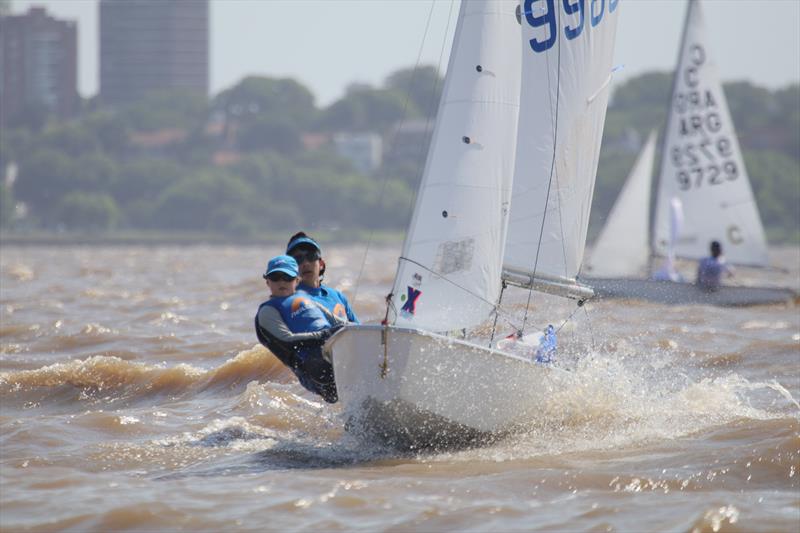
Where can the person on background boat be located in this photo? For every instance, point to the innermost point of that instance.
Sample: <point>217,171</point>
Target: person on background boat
<point>710,269</point>
<point>308,255</point>
<point>293,327</point>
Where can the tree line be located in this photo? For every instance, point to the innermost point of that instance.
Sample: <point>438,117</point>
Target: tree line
<point>245,162</point>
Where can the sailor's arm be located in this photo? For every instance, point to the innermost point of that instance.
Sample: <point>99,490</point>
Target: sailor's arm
<point>270,319</point>
<point>333,319</point>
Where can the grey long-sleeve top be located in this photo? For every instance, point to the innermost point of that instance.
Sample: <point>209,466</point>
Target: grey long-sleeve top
<point>270,319</point>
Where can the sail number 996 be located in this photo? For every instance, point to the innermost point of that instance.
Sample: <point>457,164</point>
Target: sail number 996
<point>539,13</point>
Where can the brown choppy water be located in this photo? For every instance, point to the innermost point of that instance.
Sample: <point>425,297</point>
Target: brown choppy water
<point>133,396</point>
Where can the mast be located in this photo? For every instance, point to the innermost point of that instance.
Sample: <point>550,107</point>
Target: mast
<point>665,128</point>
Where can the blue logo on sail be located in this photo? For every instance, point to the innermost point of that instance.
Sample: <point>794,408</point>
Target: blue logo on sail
<point>410,307</point>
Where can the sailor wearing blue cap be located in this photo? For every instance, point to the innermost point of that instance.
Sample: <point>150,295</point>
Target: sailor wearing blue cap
<point>294,327</point>
<point>312,268</point>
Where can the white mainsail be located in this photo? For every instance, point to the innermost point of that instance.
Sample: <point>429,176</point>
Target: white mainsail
<point>567,56</point>
<point>702,163</point>
<point>623,247</point>
<point>449,273</point>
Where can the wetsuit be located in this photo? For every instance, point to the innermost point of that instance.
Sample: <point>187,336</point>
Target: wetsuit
<point>709,273</point>
<point>294,328</point>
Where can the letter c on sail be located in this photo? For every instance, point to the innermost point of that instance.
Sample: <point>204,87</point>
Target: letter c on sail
<point>735,235</point>
<point>691,76</point>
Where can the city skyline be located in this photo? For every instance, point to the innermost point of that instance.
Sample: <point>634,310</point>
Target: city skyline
<point>327,45</point>
<point>39,65</point>
<point>134,32</point>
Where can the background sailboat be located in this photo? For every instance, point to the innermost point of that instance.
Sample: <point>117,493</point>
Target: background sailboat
<point>623,247</point>
<point>702,169</point>
<point>504,198</point>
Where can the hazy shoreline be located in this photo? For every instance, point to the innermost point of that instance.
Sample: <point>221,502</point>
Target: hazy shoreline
<point>188,239</point>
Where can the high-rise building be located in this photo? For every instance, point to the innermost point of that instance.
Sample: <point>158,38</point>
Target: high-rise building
<point>152,45</point>
<point>38,65</point>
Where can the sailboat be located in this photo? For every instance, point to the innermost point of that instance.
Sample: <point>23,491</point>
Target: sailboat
<point>703,172</point>
<point>504,200</point>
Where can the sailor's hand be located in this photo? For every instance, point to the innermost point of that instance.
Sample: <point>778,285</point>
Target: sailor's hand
<point>327,333</point>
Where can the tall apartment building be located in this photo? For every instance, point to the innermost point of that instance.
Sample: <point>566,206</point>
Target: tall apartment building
<point>38,65</point>
<point>152,45</point>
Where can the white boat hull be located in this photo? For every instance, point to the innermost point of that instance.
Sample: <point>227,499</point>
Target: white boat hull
<point>420,389</point>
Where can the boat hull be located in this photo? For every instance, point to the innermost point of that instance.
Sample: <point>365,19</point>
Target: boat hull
<point>418,389</point>
<point>669,292</point>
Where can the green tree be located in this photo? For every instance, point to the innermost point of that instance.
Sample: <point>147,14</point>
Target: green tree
<point>640,104</point>
<point>199,202</point>
<point>421,85</point>
<point>776,184</point>
<point>268,133</point>
<point>752,108</point>
<point>95,172</point>
<point>788,103</point>
<point>6,206</point>
<point>71,138</point>
<point>256,97</point>
<point>45,176</point>
<point>365,109</point>
<point>143,179</point>
<point>110,130</point>
<point>181,109</point>
<point>87,211</point>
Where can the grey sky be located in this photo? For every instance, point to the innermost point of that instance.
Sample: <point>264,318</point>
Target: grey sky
<point>327,44</point>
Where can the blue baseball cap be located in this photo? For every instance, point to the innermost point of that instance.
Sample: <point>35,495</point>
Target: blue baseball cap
<point>303,240</point>
<point>282,263</point>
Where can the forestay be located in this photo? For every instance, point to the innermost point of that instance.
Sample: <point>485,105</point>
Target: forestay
<point>449,273</point>
<point>623,247</point>
<point>702,163</point>
<point>567,53</point>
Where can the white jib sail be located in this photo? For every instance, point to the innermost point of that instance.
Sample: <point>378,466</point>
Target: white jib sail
<point>702,163</point>
<point>623,247</point>
<point>449,272</point>
<point>567,53</point>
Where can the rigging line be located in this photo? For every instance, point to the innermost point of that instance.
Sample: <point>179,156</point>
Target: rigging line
<point>552,167</point>
<point>591,330</point>
<point>558,181</point>
<point>564,323</point>
<point>494,324</point>
<point>394,134</point>
<point>495,306</point>
<point>431,102</point>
